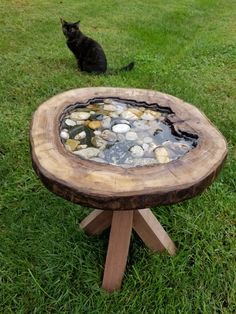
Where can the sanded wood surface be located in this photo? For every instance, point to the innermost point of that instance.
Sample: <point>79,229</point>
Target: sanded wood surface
<point>151,231</point>
<point>106,186</point>
<point>118,248</point>
<point>96,222</point>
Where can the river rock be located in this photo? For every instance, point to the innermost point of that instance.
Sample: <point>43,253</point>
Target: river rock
<point>98,142</point>
<point>120,107</point>
<point>120,128</point>
<point>136,111</point>
<point>76,130</point>
<point>131,136</point>
<point>137,151</point>
<point>107,101</point>
<point>109,108</point>
<point>80,122</point>
<point>71,144</point>
<point>87,153</point>
<point>64,134</point>
<point>145,147</point>
<point>70,122</point>
<point>128,115</point>
<point>80,135</point>
<point>109,136</point>
<point>162,155</point>
<point>121,137</point>
<point>147,116</point>
<point>94,124</point>
<point>97,132</point>
<point>78,115</point>
<point>106,122</point>
<point>147,140</point>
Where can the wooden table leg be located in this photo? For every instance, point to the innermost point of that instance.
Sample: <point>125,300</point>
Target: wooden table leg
<point>151,231</point>
<point>144,223</point>
<point>97,221</point>
<point>118,248</point>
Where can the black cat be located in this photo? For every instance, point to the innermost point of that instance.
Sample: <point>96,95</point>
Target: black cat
<point>89,54</point>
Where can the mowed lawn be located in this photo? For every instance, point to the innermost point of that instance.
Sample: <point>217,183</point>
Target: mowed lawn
<point>186,48</point>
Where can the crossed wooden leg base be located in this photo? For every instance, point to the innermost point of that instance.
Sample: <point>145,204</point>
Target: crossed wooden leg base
<point>142,221</point>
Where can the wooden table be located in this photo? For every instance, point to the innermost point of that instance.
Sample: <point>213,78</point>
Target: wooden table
<point>121,195</point>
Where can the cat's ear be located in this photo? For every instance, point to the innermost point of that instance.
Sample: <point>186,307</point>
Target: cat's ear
<point>77,23</point>
<point>63,22</point>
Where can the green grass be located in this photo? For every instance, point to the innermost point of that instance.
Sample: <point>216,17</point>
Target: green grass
<point>47,265</point>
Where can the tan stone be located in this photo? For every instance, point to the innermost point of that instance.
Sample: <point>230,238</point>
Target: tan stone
<point>71,145</point>
<point>162,155</point>
<point>94,125</point>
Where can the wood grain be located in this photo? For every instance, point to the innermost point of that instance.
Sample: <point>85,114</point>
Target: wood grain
<point>109,187</point>
<point>118,248</point>
<point>151,231</point>
<point>96,222</point>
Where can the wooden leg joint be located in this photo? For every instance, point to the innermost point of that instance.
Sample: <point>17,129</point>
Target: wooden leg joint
<point>146,226</point>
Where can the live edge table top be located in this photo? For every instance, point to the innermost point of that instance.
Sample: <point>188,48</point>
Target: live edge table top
<point>110,187</point>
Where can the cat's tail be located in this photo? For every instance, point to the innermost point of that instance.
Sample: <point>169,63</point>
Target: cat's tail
<point>126,68</point>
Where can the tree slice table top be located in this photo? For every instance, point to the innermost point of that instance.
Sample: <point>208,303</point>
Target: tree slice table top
<point>106,186</point>
<point>114,189</point>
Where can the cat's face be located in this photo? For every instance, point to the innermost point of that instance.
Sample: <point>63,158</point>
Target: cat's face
<point>70,29</point>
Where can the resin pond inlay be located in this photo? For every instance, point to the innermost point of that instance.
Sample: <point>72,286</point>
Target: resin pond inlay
<point>123,133</point>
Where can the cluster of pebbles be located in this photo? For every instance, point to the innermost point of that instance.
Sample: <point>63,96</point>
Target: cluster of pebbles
<point>120,133</point>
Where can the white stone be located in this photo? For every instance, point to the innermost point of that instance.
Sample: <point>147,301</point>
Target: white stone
<point>162,155</point>
<point>70,122</point>
<point>147,140</point>
<point>64,135</point>
<point>97,132</point>
<point>120,128</point>
<point>80,136</point>
<point>87,152</point>
<point>106,122</point>
<point>145,147</point>
<point>137,151</point>
<point>80,115</point>
<point>131,136</point>
<point>129,115</point>
<point>80,122</point>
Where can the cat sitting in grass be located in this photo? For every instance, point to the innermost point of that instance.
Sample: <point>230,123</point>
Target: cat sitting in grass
<point>89,54</point>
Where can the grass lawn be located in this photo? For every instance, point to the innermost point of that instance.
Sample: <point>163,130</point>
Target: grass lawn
<point>186,48</point>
